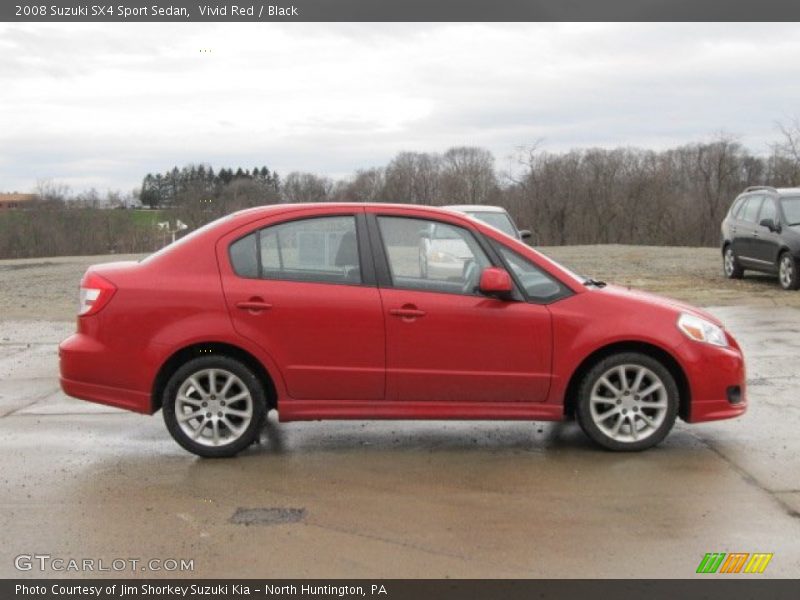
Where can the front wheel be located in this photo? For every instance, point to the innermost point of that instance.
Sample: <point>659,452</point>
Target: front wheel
<point>627,402</point>
<point>787,272</point>
<point>214,406</point>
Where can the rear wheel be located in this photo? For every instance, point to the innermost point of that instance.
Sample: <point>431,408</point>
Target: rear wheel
<point>214,406</point>
<point>730,264</point>
<point>787,272</point>
<point>627,402</point>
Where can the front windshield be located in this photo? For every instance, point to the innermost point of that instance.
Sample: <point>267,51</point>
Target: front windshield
<point>791,209</point>
<point>498,220</point>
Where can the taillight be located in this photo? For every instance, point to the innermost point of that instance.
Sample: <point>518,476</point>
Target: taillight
<point>95,294</point>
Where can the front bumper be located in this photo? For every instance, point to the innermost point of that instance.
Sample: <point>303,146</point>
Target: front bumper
<point>716,378</point>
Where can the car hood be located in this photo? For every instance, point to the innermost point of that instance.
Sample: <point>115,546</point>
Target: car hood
<point>655,300</point>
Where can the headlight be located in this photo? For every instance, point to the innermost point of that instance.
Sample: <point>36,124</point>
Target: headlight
<point>701,330</point>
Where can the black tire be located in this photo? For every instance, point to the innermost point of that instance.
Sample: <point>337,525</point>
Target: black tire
<point>787,271</point>
<point>730,264</point>
<point>243,378</point>
<point>646,407</point>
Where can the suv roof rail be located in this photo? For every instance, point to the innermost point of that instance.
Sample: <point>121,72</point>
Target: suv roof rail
<point>754,188</point>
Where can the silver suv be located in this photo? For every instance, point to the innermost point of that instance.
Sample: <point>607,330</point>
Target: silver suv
<point>495,216</point>
<point>762,233</point>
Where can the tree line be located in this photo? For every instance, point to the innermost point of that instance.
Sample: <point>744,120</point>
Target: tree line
<point>676,196</point>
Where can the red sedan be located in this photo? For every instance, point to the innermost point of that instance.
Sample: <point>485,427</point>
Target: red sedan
<point>327,311</point>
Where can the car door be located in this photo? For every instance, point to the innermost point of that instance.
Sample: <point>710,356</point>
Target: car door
<point>766,243</point>
<point>304,290</point>
<point>745,229</point>
<point>444,340</point>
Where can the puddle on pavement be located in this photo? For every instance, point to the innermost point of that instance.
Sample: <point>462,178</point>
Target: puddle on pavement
<point>267,516</point>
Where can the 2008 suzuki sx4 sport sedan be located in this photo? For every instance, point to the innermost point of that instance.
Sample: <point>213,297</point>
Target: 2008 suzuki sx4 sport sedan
<point>326,311</point>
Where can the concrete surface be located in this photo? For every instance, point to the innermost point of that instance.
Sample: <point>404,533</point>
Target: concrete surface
<point>400,499</point>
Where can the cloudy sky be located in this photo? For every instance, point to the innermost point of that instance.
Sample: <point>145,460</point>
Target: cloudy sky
<point>100,105</point>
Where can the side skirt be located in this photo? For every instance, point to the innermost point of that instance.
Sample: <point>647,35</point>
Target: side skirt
<point>312,410</point>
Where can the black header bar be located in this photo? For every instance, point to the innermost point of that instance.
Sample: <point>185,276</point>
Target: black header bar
<point>400,10</point>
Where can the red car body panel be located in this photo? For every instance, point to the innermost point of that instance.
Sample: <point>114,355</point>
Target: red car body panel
<point>344,351</point>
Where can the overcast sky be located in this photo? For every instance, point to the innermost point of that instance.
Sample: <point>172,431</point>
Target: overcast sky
<point>101,105</point>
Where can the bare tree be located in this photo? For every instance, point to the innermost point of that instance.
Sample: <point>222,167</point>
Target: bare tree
<point>414,177</point>
<point>306,187</point>
<point>468,175</point>
<point>786,153</point>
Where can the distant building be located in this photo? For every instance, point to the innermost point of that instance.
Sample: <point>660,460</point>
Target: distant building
<point>15,200</point>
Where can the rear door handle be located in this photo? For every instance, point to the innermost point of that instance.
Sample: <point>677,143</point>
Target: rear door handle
<point>254,305</point>
<point>407,312</point>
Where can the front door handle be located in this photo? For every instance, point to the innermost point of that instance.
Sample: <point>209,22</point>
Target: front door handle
<point>254,305</point>
<point>408,311</point>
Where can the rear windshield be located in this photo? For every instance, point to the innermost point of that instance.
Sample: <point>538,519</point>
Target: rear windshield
<point>791,209</point>
<point>186,238</point>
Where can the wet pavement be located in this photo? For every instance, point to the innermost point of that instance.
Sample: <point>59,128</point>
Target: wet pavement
<point>399,499</point>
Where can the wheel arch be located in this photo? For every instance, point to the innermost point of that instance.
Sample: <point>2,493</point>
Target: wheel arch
<point>180,357</point>
<point>784,248</point>
<point>656,352</point>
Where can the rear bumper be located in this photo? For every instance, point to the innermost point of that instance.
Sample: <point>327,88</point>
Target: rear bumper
<point>88,372</point>
<point>714,374</point>
<point>127,399</point>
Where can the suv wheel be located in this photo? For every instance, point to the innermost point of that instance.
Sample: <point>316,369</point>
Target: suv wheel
<point>627,402</point>
<point>214,406</point>
<point>787,272</point>
<point>733,270</point>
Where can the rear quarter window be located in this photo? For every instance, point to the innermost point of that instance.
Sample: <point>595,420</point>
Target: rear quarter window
<point>243,256</point>
<point>749,211</point>
<point>737,206</point>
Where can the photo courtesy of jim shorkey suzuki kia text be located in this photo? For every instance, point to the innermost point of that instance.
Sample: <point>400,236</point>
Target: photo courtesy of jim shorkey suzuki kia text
<point>123,11</point>
<point>194,590</point>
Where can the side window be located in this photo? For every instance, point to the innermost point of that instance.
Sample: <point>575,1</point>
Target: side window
<point>323,249</point>
<point>538,285</point>
<point>243,256</point>
<point>768,210</point>
<point>432,256</point>
<point>749,211</point>
<point>737,206</point>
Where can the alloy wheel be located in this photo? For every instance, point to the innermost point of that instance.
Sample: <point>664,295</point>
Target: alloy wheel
<point>786,271</point>
<point>628,403</point>
<point>213,407</point>
<point>729,262</point>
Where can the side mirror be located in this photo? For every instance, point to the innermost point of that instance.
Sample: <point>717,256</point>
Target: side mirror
<point>496,282</point>
<point>525,234</point>
<point>769,224</point>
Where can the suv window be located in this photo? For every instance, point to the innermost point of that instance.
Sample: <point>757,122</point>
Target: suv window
<point>320,249</point>
<point>451,261</point>
<point>498,220</point>
<point>538,285</point>
<point>749,211</point>
<point>737,206</point>
<point>791,210</point>
<point>768,210</point>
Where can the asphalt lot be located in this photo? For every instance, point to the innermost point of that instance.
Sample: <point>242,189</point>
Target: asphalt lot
<point>399,499</point>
